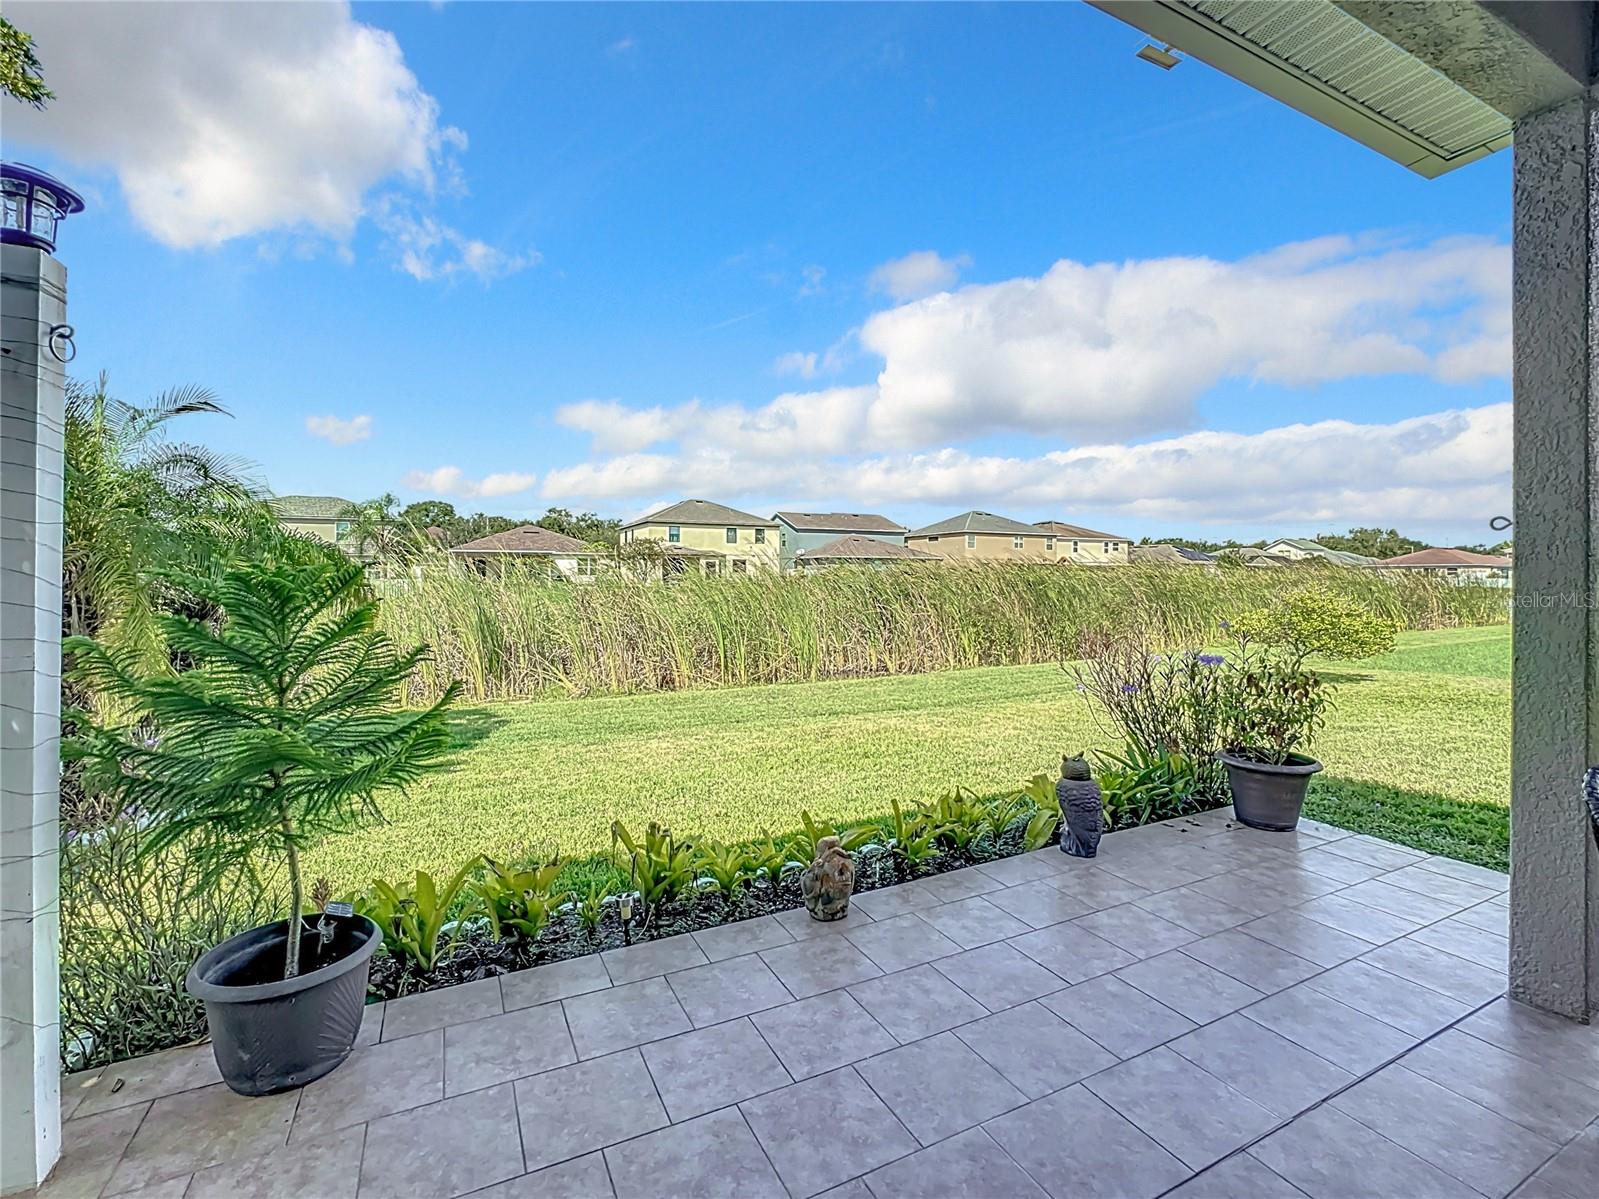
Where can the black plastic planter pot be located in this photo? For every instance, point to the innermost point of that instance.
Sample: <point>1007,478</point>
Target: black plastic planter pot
<point>272,1033</point>
<point>1267,796</point>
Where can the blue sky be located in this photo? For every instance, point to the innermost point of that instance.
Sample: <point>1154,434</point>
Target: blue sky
<point>620,211</point>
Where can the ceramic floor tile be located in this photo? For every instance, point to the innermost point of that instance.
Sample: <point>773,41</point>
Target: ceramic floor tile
<point>973,922</point>
<point>1486,947</point>
<point>1273,1071</point>
<point>371,1030</point>
<point>90,1148</point>
<point>555,980</point>
<point>1076,1146</point>
<point>1571,1171</point>
<point>1237,1177</point>
<point>434,1009</point>
<point>126,1084</point>
<point>1563,1046</point>
<point>451,1148</point>
<point>574,1110</point>
<point>500,1048</point>
<point>955,885</point>
<point>1337,867</point>
<point>938,1087</point>
<point>189,1131</point>
<point>1036,1050</point>
<point>916,1003</point>
<point>1130,928</point>
<point>1379,853</point>
<point>1098,888</point>
<point>327,1167</point>
<point>605,1021</point>
<point>822,1033</point>
<point>970,1165</point>
<point>1443,972</point>
<point>1493,880</point>
<point>1120,1017</point>
<point>1071,951</point>
<point>998,976</point>
<point>1459,1137</point>
<point>1262,966</point>
<point>1330,1029</point>
<point>1329,1156</point>
<point>726,990</point>
<point>1358,920</point>
<point>1194,910</point>
<point>581,1178</point>
<point>802,926</point>
<point>714,1157</point>
<point>887,902</point>
<point>698,1072</point>
<point>1549,1104</point>
<point>1183,984</point>
<point>1494,916</point>
<point>1408,1006</point>
<point>1191,1113</point>
<point>1437,885</point>
<point>857,1134</point>
<point>1038,904</point>
<point>744,936</point>
<point>1305,938</point>
<point>819,964</point>
<point>1023,868</point>
<point>377,1081</point>
<point>1397,901</point>
<point>900,942</point>
<point>649,959</point>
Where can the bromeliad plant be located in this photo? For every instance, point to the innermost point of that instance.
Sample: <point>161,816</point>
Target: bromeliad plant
<point>802,846</point>
<point>659,867</point>
<point>279,730</point>
<point>913,839</point>
<point>1140,785</point>
<point>520,901</point>
<point>419,922</point>
<point>727,867</point>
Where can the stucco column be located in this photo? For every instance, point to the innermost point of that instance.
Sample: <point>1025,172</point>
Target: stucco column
<point>1554,892</point>
<point>32,299</point>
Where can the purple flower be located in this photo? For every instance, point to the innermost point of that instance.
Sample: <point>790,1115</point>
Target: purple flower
<point>1128,689</point>
<point>1224,625</point>
<point>1211,659</point>
<point>1082,687</point>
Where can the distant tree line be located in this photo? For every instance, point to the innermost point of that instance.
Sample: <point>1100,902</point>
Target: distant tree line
<point>457,528</point>
<point>1372,542</point>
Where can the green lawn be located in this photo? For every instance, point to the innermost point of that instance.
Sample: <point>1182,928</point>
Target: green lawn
<point>1418,750</point>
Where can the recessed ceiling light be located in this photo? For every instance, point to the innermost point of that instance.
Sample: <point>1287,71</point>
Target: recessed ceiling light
<point>1161,56</point>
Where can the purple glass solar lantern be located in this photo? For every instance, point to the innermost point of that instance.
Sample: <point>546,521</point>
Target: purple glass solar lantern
<point>32,205</point>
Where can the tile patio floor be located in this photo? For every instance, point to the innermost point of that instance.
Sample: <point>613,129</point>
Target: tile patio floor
<point>1205,1010</point>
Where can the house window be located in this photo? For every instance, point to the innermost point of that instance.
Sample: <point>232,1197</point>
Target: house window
<point>712,566</point>
<point>1115,547</point>
<point>1074,547</point>
<point>674,534</point>
<point>782,540</point>
<point>971,541</point>
<point>740,567</point>
<point>1107,547</point>
<point>341,530</point>
<point>1049,545</point>
<point>732,536</point>
<point>1016,542</point>
<point>934,537</point>
<point>760,536</point>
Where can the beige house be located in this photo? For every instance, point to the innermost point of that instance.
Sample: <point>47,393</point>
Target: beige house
<point>1457,566</point>
<point>983,537</point>
<point>1300,549</point>
<point>531,545</point>
<point>858,549</point>
<point>1170,555</point>
<point>714,537</point>
<point>326,517</point>
<point>1085,547</point>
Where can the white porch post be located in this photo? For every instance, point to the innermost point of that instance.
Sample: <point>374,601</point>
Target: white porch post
<point>32,299</point>
<point>1554,894</point>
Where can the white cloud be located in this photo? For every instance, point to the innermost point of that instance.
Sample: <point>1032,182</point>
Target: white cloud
<point>621,46</point>
<point>425,248</point>
<point>450,480</point>
<point>338,430</point>
<point>614,428</point>
<point>796,362</point>
<point>917,274</point>
<point>1446,467</point>
<point>224,121</point>
<point>811,280</point>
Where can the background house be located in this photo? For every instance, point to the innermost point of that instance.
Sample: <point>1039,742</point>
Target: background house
<point>1170,555</point>
<point>724,540</point>
<point>801,531</point>
<point>531,544</point>
<point>983,537</point>
<point>1085,547</point>
<point>1459,566</point>
<point>1299,549</point>
<point>858,549</point>
<point>323,516</point>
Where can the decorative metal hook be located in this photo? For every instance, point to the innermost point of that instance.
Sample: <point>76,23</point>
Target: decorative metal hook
<point>1500,523</point>
<point>61,336</point>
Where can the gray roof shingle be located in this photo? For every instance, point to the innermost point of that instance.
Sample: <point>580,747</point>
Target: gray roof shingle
<point>524,539</point>
<point>839,522</point>
<point>979,522</point>
<point>855,548</point>
<point>698,512</point>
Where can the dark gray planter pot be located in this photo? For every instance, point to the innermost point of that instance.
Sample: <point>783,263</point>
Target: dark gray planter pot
<point>1267,796</point>
<point>271,1033</point>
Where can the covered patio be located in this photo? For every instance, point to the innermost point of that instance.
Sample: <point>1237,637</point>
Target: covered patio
<point>1203,1010</point>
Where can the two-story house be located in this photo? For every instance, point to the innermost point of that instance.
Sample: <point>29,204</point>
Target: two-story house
<point>721,540</point>
<point>802,531</point>
<point>1084,547</point>
<point>1301,549</point>
<point>326,517</point>
<point>984,537</point>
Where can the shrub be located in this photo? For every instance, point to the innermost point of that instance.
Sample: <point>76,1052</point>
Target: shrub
<point>1321,623</point>
<point>1270,707</point>
<point>1140,785</point>
<point>519,900</point>
<point>278,732</point>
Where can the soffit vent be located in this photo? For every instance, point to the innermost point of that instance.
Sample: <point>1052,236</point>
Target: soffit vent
<point>1362,67</point>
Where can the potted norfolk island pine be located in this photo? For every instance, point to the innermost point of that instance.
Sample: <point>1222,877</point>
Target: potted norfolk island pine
<point>280,730</point>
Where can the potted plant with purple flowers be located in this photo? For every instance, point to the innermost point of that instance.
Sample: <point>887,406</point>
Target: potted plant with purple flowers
<point>1269,710</point>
